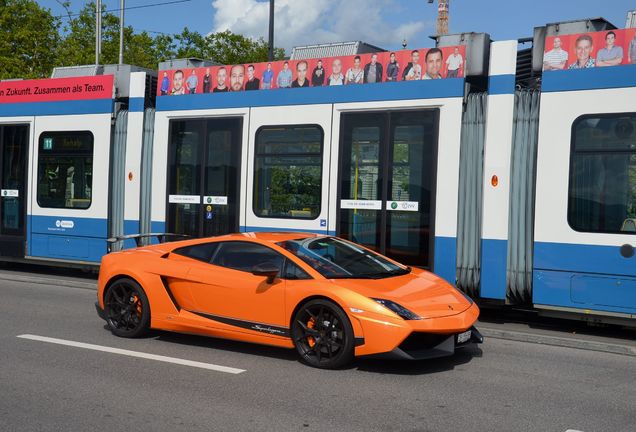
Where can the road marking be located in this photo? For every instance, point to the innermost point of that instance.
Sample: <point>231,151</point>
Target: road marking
<point>160,358</point>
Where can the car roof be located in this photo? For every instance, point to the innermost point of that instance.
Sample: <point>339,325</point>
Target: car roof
<point>261,236</point>
<point>273,236</point>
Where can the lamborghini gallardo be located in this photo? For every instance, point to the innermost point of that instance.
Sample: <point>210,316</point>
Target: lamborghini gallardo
<point>328,298</point>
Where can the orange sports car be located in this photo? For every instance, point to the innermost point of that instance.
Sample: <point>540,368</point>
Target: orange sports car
<point>328,298</point>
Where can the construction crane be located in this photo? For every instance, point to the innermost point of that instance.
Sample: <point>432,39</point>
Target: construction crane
<point>442,16</point>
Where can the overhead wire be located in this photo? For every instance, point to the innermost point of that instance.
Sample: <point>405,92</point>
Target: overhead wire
<point>148,5</point>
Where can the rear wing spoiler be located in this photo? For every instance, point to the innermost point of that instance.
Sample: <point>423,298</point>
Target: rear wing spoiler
<point>161,238</point>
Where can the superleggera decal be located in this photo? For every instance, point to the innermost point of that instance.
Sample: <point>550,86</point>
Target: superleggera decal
<point>260,327</point>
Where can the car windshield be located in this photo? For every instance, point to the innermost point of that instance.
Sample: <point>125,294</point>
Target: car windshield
<point>338,259</point>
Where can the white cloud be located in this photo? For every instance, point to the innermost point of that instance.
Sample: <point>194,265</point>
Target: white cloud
<point>319,21</point>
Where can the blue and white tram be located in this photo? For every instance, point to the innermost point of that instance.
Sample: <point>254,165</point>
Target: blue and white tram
<point>516,184</point>
<point>62,162</point>
<point>585,215</point>
<point>559,203</point>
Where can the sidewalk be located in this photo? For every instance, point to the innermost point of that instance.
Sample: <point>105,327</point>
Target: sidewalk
<point>527,327</point>
<point>48,276</point>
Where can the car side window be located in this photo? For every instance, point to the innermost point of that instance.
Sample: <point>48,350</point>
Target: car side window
<point>202,252</point>
<point>293,272</point>
<point>244,256</point>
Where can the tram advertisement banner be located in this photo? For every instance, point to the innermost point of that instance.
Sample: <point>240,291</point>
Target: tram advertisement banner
<point>57,89</point>
<point>405,65</point>
<point>590,50</point>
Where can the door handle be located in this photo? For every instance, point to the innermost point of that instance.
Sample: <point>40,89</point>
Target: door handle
<point>627,250</point>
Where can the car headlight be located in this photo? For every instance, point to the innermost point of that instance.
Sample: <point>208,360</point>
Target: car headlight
<point>401,311</point>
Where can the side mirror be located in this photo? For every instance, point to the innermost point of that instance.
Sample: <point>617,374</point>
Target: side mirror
<point>268,269</point>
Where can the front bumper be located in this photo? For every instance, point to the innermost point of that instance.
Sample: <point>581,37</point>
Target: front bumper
<point>421,346</point>
<point>100,311</point>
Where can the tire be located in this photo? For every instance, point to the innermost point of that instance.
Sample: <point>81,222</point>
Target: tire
<point>322,335</point>
<point>127,309</point>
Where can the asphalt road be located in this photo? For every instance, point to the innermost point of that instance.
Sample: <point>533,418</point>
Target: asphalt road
<point>501,386</point>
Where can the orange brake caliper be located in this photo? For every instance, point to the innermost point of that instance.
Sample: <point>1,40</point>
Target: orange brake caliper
<point>310,340</point>
<point>138,304</point>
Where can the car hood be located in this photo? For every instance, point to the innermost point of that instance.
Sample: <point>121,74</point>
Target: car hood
<point>421,292</point>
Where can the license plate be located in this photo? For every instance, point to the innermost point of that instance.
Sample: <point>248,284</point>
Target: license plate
<point>463,337</point>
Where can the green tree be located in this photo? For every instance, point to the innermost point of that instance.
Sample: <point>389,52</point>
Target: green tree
<point>222,47</point>
<point>141,49</point>
<point>28,36</point>
<point>190,44</point>
<point>229,48</point>
<point>78,44</point>
<point>33,42</point>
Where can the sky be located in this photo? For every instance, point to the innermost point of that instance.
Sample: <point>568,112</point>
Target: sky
<point>384,23</point>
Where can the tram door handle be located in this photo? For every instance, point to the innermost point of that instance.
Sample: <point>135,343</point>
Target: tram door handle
<point>627,250</point>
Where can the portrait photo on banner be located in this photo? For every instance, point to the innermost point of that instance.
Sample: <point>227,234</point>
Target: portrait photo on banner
<point>590,50</point>
<point>370,68</point>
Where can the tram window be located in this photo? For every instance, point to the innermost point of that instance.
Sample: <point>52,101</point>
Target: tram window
<point>602,191</point>
<point>288,172</point>
<point>65,170</point>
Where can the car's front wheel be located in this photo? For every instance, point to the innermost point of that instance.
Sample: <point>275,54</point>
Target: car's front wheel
<point>323,335</point>
<point>127,309</point>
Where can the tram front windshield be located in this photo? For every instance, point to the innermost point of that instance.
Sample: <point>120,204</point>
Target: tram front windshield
<point>337,259</point>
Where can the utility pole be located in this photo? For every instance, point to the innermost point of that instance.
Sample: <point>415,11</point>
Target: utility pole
<point>98,30</point>
<point>121,31</point>
<point>270,54</point>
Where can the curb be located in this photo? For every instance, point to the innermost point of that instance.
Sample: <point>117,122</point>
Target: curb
<point>559,341</point>
<point>49,281</point>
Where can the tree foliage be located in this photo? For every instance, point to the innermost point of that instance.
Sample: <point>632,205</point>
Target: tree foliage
<point>28,36</point>
<point>33,41</point>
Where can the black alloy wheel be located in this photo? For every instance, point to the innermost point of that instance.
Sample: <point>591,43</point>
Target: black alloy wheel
<point>323,335</point>
<point>127,309</point>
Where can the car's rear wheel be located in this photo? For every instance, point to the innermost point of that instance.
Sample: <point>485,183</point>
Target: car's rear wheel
<point>323,335</point>
<point>127,309</point>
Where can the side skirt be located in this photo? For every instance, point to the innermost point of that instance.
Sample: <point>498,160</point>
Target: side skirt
<point>250,325</point>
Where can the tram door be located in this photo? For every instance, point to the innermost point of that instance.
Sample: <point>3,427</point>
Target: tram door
<point>203,176</point>
<point>13,158</point>
<point>387,182</point>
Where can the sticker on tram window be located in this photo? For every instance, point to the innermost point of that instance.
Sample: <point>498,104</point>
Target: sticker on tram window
<point>47,143</point>
<point>403,205</point>
<point>184,199</point>
<point>10,193</point>
<point>361,204</point>
<point>218,200</point>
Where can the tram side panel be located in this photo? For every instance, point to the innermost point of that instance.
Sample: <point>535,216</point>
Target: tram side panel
<point>68,216</point>
<point>292,167</point>
<point>496,182</point>
<point>199,160</point>
<point>586,193</point>
<point>395,174</point>
<point>134,139</point>
<point>287,171</point>
<point>16,136</point>
<point>54,203</point>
